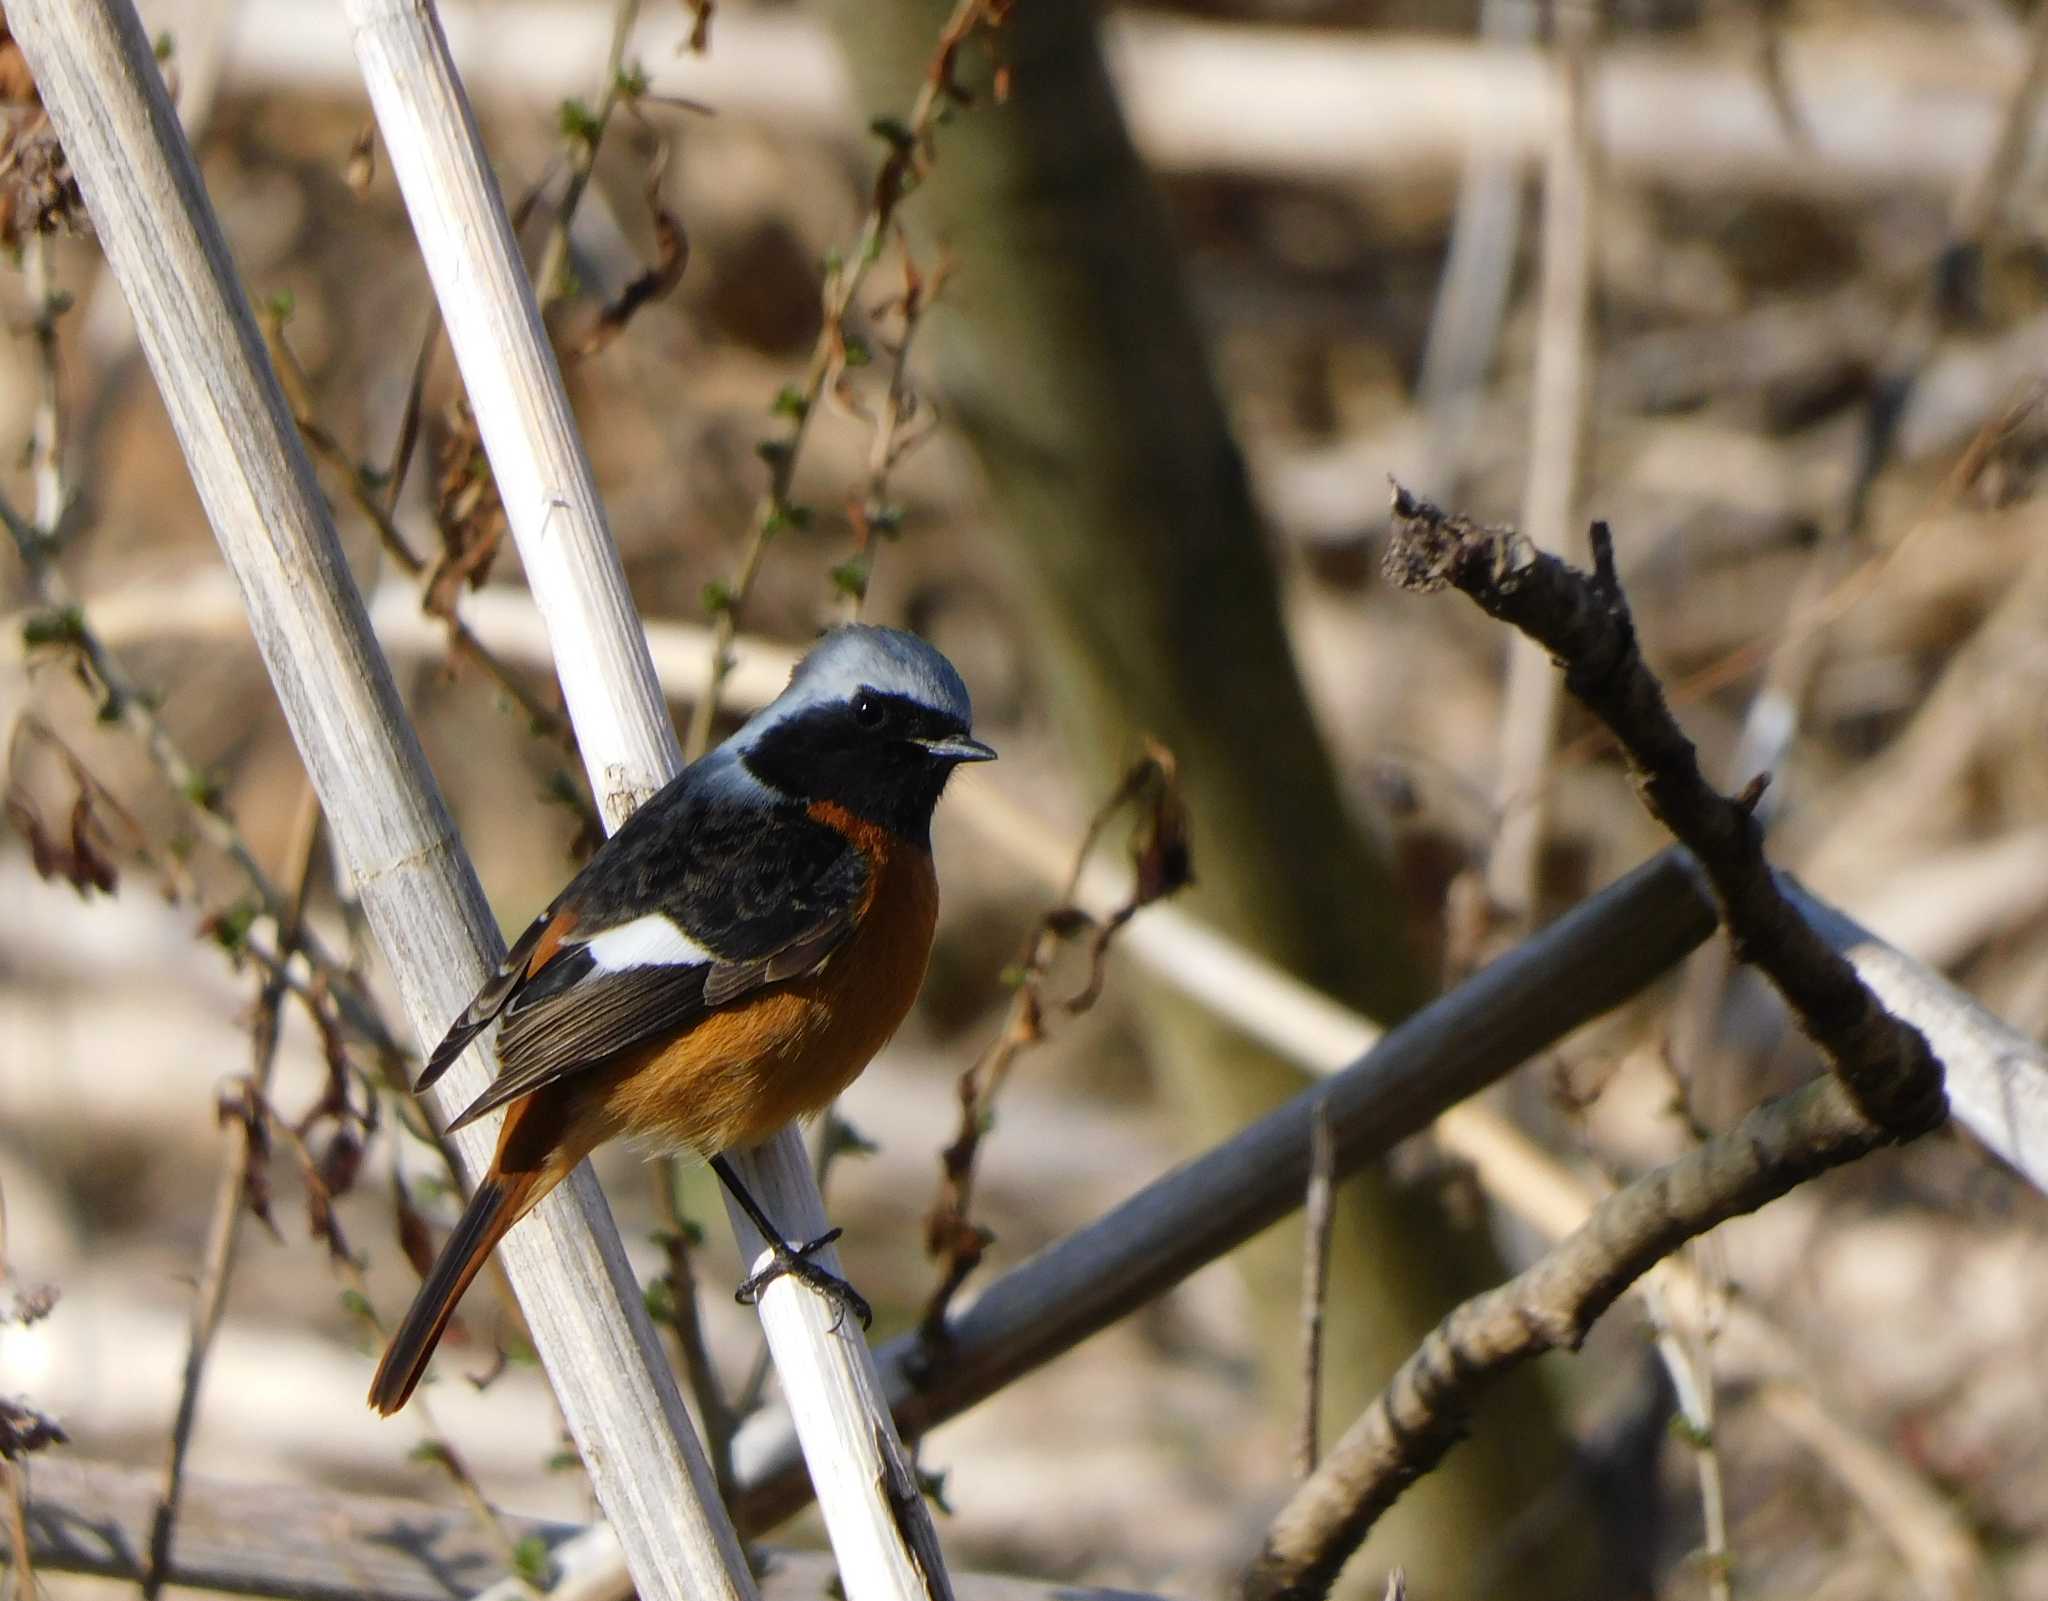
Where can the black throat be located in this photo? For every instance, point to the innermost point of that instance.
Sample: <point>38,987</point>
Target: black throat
<point>823,755</point>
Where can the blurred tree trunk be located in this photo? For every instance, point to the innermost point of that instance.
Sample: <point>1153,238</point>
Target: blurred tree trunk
<point>1071,360</point>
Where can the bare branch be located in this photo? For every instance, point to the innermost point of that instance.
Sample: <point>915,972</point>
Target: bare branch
<point>1424,1409</point>
<point>873,515</point>
<point>1160,851</point>
<point>1584,621</point>
<point>1885,1086</point>
<point>1589,960</point>
<point>585,135</point>
<point>235,1195</point>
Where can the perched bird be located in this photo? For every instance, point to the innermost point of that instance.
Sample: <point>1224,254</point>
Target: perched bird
<point>729,960</point>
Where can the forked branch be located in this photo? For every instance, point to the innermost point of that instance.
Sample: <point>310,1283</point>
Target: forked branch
<point>1885,1083</point>
<point>1584,621</point>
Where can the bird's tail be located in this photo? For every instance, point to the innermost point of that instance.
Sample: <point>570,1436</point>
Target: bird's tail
<point>498,1203</point>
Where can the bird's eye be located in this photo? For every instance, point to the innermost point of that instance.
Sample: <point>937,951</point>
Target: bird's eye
<point>869,711</point>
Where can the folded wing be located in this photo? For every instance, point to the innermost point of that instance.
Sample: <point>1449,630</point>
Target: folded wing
<point>697,902</point>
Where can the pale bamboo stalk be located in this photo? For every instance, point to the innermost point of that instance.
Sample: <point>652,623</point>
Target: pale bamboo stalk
<point>880,1529</point>
<point>515,390</point>
<point>101,83</point>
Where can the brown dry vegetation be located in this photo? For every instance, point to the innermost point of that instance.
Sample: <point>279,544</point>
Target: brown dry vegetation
<point>1746,328</point>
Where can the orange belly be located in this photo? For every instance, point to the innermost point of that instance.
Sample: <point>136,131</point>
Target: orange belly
<point>749,1068</point>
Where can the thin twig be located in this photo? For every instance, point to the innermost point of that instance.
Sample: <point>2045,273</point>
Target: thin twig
<point>1949,297</point>
<point>1472,290</point>
<point>910,155</point>
<point>371,497</point>
<point>415,400</point>
<point>1160,851</point>
<point>1982,200</point>
<point>1550,1306</point>
<point>1686,1357</point>
<point>231,1201</point>
<point>873,515</point>
<point>126,703</point>
<point>1318,1217</point>
<point>678,1307</point>
<point>46,438</point>
<point>1559,423</point>
<point>274,315</point>
<point>434,1446</point>
<point>585,131</point>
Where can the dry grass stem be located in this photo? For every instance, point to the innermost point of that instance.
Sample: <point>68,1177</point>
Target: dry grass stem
<point>586,137</point>
<point>133,708</point>
<point>1687,1354</point>
<point>1560,420</point>
<point>1162,867</point>
<point>46,439</point>
<point>1318,1217</point>
<point>1424,1409</point>
<point>872,513</point>
<point>235,1196</point>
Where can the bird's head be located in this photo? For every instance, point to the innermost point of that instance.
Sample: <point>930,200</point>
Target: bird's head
<point>874,720</point>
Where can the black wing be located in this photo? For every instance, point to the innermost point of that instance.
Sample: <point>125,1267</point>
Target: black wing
<point>767,891</point>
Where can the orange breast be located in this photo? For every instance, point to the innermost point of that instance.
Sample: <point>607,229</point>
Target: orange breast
<point>787,1051</point>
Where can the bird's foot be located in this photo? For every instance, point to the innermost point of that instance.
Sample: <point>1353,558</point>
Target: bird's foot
<point>795,1261</point>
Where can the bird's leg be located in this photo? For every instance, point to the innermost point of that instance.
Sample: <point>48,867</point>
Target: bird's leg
<point>792,1259</point>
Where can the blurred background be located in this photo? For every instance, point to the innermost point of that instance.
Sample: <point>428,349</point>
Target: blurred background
<point>1764,286</point>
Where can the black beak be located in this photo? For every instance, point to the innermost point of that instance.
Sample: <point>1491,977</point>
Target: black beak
<point>958,748</point>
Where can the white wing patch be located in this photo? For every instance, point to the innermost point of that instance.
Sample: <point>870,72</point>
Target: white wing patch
<point>650,941</point>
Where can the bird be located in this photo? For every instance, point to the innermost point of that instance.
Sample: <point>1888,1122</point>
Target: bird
<point>729,960</point>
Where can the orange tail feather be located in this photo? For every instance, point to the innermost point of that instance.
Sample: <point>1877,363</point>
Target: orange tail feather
<point>499,1202</point>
